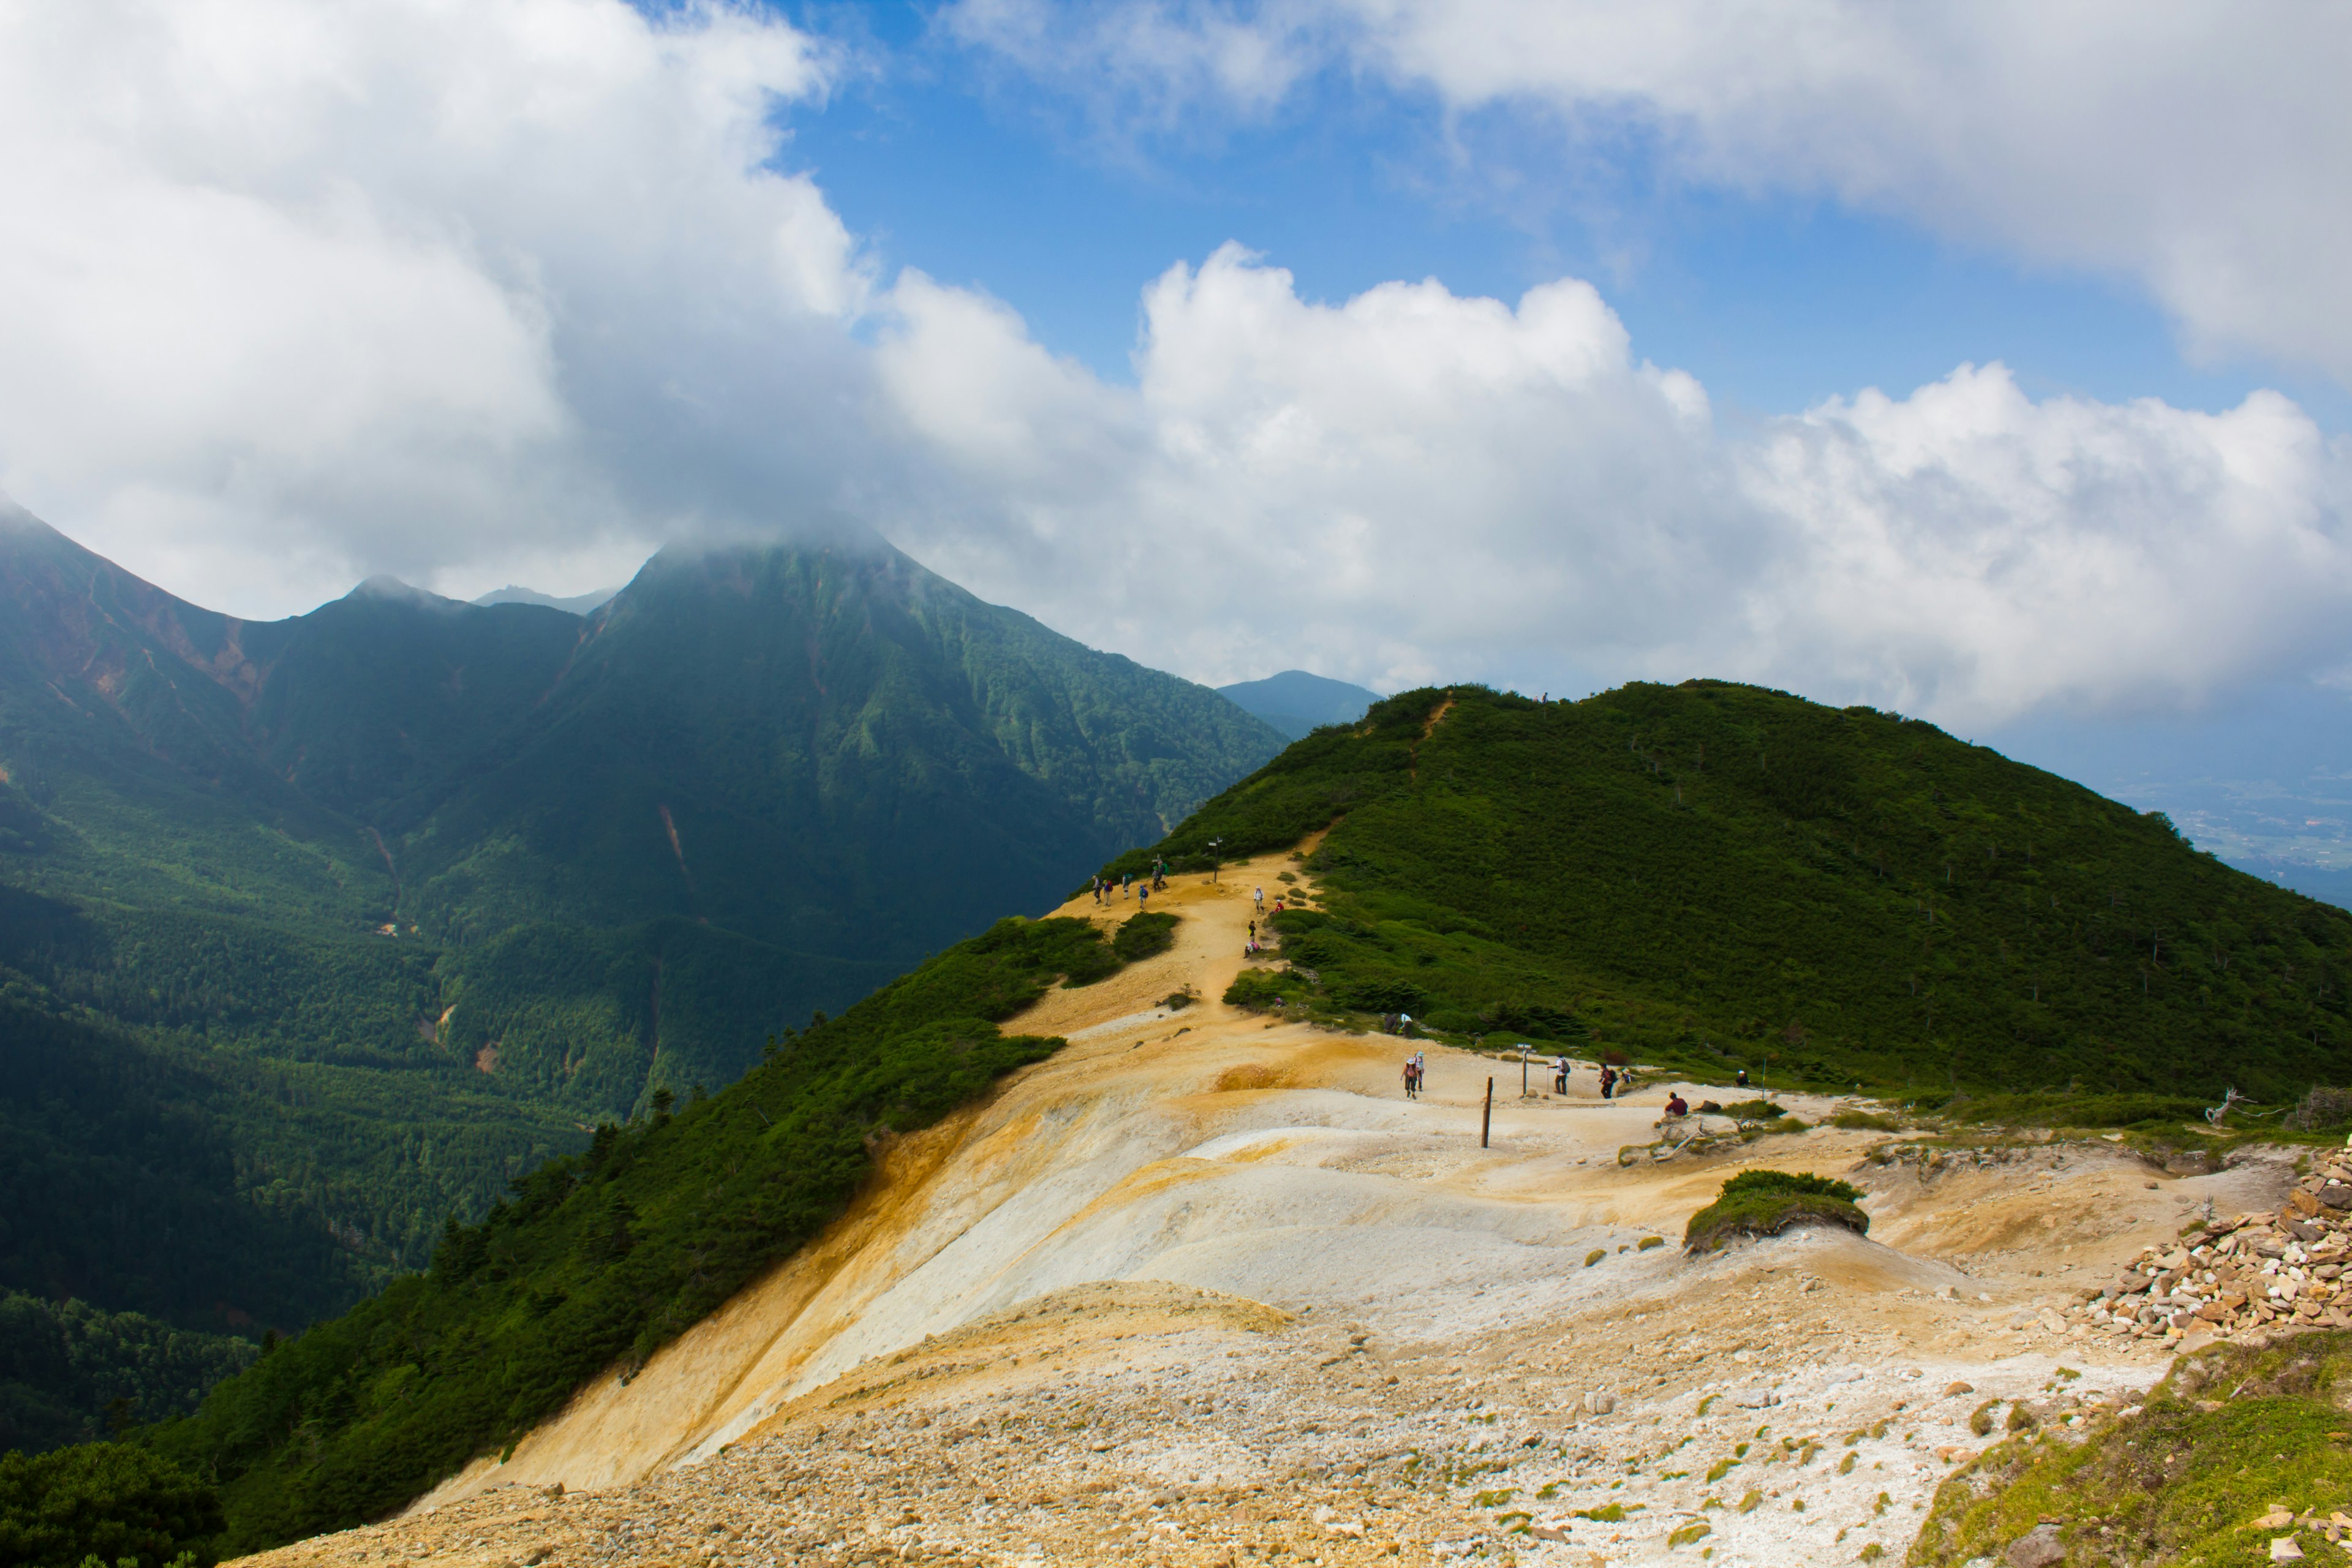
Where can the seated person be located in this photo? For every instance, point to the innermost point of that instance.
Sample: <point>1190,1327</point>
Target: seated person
<point>1677,1106</point>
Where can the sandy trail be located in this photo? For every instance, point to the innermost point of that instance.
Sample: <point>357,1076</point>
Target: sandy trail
<point>1208,1289</point>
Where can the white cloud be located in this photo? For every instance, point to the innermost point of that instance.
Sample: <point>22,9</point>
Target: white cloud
<point>294,292</point>
<point>2197,148</point>
<point>514,291</point>
<point>1413,484</point>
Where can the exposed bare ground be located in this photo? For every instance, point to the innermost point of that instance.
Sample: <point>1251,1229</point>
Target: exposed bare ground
<point>1207,1290</point>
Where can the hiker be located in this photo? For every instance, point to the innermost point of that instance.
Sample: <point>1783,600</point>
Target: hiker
<point>1253,934</point>
<point>1404,1024</point>
<point>1677,1105</point>
<point>1411,1080</point>
<point>1259,894</point>
<point>1142,896</point>
<point>1742,1078</point>
<point>1608,1081</point>
<point>1560,1075</point>
<point>1124,879</point>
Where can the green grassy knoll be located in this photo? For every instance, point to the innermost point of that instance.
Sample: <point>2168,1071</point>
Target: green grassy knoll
<point>1765,1203</point>
<point>2239,1445</point>
<point>1709,875</point>
<point>603,1257</point>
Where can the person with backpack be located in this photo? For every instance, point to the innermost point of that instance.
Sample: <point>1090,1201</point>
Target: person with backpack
<point>1560,1075</point>
<point>1608,1081</point>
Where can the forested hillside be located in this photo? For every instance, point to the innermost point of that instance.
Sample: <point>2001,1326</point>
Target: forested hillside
<point>1718,875</point>
<point>313,933</point>
<point>603,1257</point>
<point>71,1373</point>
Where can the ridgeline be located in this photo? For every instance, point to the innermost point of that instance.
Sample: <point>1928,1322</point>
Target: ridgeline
<point>1712,876</point>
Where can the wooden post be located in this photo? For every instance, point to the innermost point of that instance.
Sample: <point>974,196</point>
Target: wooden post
<point>1523,1072</point>
<point>1487,1122</point>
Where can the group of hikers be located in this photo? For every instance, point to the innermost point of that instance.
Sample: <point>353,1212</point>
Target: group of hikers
<point>1106,890</point>
<point>1614,1082</point>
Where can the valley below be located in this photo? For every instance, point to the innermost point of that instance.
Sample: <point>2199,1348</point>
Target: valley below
<point>1205,1288</point>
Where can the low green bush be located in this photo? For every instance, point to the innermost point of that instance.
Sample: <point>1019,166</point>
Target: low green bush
<point>1765,1203</point>
<point>1866,1121</point>
<point>2324,1110</point>
<point>1142,936</point>
<point>1262,990</point>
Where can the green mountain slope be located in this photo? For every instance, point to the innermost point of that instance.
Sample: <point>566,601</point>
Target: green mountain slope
<point>69,1373</point>
<point>1717,875</point>
<point>383,905</point>
<point>605,1256</point>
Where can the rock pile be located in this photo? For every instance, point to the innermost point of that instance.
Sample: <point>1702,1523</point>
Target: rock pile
<point>2232,1276</point>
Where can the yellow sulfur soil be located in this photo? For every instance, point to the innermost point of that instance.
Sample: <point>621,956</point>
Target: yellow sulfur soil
<point>1204,1289</point>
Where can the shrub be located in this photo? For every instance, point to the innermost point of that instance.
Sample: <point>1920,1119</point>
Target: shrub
<point>1864,1121</point>
<point>1765,1203</point>
<point>1259,990</point>
<point>1144,935</point>
<point>2322,1110</point>
<point>107,1501</point>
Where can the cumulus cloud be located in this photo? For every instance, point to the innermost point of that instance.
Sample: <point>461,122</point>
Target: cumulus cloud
<point>2197,148</point>
<point>518,289</point>
<point>405,285</point>
<point>1413,484</point>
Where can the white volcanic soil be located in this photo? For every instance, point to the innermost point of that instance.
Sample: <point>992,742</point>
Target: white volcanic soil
<point>1207,1290</point>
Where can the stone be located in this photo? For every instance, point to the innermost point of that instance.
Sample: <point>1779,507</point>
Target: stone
<point>2049,1319</point>
<point>2302,1204</point>
<point>1757,1398</point>
<point>2285,1549</point>
<point>2037,1548</point>
<point>1599,1402</point>
<point>1959,1388</point>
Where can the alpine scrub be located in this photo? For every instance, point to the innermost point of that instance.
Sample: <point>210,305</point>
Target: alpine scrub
<point>1708,875</point>
<point>600,1258</point>
<point>1765,1203</point>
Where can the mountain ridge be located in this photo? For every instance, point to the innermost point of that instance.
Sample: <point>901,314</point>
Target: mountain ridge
<point>512,868</point>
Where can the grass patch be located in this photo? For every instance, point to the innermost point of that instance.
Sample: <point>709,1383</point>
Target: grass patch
<point>2231,1432</point>
<point>1765,1203</point>
<point>1866,1121</point>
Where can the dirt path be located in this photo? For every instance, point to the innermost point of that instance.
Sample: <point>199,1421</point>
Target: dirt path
<point>1205,1289</point>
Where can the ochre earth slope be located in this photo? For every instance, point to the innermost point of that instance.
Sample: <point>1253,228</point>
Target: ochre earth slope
<point>1202,1284</point>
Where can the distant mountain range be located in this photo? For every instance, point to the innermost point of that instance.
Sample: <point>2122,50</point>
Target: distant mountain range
<point>578,604</point>
<point>350,918</point>
<point>1298,704</point>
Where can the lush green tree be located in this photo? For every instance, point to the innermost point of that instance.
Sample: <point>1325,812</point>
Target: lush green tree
<point>112,1502</point>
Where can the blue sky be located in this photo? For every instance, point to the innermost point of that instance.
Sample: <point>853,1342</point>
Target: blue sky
<point>1775,300</point>
<point>1937,358</point>
<point>944,161</point>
